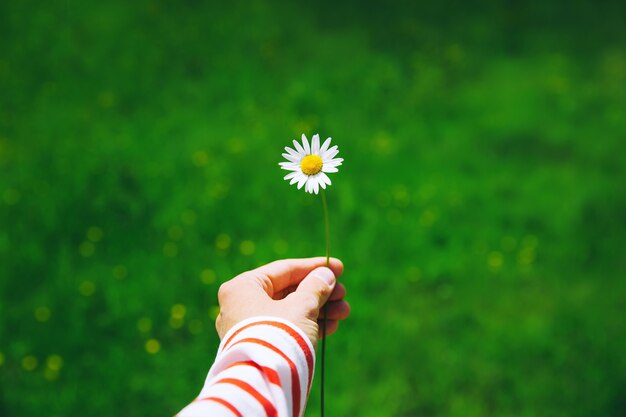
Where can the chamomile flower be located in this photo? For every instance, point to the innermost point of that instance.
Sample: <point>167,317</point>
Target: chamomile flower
<point>309,164</point>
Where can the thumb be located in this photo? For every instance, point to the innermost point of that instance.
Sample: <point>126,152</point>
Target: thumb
<point>317,286</point>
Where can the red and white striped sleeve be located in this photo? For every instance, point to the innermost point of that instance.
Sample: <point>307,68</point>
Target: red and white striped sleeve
<point>264,367</point>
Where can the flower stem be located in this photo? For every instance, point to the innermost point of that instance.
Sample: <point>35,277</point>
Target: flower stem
<point>325,204</point>
<point>323,193</point>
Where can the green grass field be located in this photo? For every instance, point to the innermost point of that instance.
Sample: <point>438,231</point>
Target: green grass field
<point>480,211</point>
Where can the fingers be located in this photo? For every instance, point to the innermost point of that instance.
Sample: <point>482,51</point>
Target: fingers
<point>338,293</point>
<point>315,289</point>
<point>290,272</point>
<point>336,310</point>
<point>331,326</point>
<point>218,325</point>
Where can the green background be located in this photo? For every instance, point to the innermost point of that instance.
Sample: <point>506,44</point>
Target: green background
<point>480,211</point>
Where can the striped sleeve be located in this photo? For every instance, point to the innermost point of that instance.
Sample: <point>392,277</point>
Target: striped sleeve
<point>264,367</point>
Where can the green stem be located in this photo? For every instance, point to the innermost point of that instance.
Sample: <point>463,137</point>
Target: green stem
<point>323,193</point>
<point>325,204</point>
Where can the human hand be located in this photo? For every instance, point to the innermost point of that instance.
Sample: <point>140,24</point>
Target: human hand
<point>292,289</point>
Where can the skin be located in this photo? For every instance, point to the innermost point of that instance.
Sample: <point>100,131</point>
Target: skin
<point>292,289</point>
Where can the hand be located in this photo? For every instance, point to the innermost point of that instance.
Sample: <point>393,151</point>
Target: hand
<point>292,289</point>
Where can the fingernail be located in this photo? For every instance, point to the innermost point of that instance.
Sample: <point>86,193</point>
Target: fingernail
<point>326,275</point>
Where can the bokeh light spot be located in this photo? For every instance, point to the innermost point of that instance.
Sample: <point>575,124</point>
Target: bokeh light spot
<point>495,260</point>
<point>54,362</point>
<point>247,247</point>
<point>236,146</point>
<point>480,247</point>
<point>207,276</point>
<point>95,234</point>
<point>454,53</point>
<point>214,311</point>
<point>106,99</point>
<point>280,247</point>
<point>413,274</point>
<point>86,249</point>
<point>144,324</point>
<point>4,242</point>
<point>175,233</point>
<point>303,126</point>
<point>222,242</point>
<point>526,256</point>
<point>455,199</point>
<point>176,322</point>
<point>200,158</point>
<point>401,195</point>
<point>382,199</point>
<point>427,218</point>
<point>382,143</point>
<point>427,191</point>
<point>188,217</point>
<point>42,314</point>
<point>120,272</point>
<point>394,216</point>
<point>558,84</point>
<point>11,196</point>
<point>178,311</point>
<point>508,243</point>
<point>195,326</point>
<point>50,374</point>
<point>87,288</point>
<point>170,249</point>
<point>30,363</point>
<point>152,346</point>
<point>530,241</point>
<point>218,190</point>
<point>445,291</point>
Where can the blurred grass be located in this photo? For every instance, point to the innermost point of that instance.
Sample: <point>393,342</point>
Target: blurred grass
<point>480,210</point>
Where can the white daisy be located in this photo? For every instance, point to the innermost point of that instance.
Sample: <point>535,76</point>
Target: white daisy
<point>310,164</point>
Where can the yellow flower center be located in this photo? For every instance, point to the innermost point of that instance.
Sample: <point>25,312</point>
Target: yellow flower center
<point>311,164</point>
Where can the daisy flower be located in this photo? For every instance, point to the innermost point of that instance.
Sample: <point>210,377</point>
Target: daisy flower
<point>310,164</point>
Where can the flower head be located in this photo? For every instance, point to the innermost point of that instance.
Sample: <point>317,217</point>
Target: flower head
<point>310,164</point>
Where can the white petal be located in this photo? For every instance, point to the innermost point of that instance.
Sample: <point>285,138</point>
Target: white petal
<point>333,162</point>
<point>301,181</point>
<point>321,181</point>
<point>331,152</point>
<point>291,175</point>
<point>329,168</point>
<point>316,187</point>
<point>315,145</point>
<point>299,148</point>
<point>305,143</point>
<point>325,146</point>
<point>289,166</point>
<point>295,178</point>
<point>324,179</point>
<point>291,158</point>
<point>291,151</point>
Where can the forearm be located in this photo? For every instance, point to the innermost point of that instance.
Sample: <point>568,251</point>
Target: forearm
<point>264,367</point>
